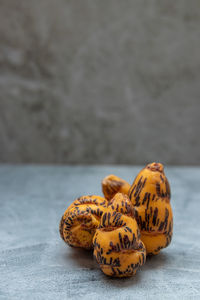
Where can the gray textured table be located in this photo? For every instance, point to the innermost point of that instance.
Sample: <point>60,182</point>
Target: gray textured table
<point>36,264</point>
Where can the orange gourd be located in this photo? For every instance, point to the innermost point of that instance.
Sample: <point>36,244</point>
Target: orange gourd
<point>80,220</point>
<point>150,196</point>
<point>117,245</point>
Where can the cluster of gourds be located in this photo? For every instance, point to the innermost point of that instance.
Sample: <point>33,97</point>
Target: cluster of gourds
<point>125,226</point>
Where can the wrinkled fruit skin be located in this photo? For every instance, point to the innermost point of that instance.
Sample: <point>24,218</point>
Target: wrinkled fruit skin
<point>150,196</point>
<point>122,204</point>
<point>117,245</point>
<point>112,184</point>
<point>80,220</point>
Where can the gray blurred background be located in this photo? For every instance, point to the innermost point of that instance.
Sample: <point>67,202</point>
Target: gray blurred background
<point>100,81</point>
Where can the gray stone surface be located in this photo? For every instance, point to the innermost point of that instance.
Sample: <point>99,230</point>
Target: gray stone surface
<point>36,264</point>
<point>105,81</point>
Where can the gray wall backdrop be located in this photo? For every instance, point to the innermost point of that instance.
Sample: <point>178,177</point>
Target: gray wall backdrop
<point>100,81</point>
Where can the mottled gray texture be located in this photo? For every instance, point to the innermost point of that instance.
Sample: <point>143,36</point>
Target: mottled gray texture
<point>36,264</point>
<point>106,81</point>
